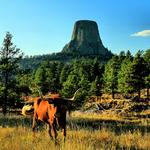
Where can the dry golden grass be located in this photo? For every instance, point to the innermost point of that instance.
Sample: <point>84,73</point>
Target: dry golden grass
<point>84,132</point>
<point>146,112</point>
<point>22,139</point>
<point>105,116</point>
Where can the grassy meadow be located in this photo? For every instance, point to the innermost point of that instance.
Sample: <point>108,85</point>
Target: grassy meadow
<point>85,131</point>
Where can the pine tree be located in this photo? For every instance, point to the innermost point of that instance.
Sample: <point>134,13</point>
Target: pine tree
<point>110,76</point>
<point>137,73</point>
<point>147,84</point>
<point>10,57</point>
<point>84,83</point>
<point>72,82</point>
<point>124,77</point>
<point>47,77</point>
<point>41,86</point>
<point>24,82</point>
<point>146,57</point>
<point>64,73</point>
<point>122,56</point>
<point>96,87</point>
<point>128,55</point>
<point>70,85</point>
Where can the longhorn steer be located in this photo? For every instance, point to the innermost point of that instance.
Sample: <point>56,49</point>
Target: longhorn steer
<point>53,112</point>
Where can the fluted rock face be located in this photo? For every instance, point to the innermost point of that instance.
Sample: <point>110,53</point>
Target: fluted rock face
<point>85,40</point>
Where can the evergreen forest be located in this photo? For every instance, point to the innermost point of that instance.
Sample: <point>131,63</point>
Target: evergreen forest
<point>21,76</point>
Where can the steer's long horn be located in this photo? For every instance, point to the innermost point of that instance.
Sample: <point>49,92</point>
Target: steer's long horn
<point>27,107</point>
<point>74,95</point>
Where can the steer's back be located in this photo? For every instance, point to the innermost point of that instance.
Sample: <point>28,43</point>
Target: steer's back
<point>43,110</point>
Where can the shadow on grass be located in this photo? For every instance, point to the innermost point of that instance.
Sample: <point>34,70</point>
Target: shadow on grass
<point>15,121</point>
<point>113,125</point>
<point>78,123</point>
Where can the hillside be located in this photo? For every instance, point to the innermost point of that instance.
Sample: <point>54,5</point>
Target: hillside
<point>33,62</point>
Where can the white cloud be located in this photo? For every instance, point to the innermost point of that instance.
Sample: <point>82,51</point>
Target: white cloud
<point>143,33</point>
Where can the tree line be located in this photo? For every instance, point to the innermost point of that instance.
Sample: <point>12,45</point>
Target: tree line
<point>123,73</point>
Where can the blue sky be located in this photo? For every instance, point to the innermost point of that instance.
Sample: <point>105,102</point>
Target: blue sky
<point>45,26</point>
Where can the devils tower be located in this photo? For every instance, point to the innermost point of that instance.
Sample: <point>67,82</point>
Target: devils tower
<point>85,40</point>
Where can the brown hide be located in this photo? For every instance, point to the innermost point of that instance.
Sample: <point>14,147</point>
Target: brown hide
<point>52,111</point>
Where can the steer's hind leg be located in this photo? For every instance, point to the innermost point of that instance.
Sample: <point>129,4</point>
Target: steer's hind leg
<point>34,123</point>
<point>54,133</point>
<point>62,124</point>
<point>50,132</point>
<point>64,133</point>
